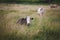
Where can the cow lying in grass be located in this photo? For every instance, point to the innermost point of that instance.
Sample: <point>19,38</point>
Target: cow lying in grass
<point>40,11</point>
<point>25,21</point>
<point>53,6</point>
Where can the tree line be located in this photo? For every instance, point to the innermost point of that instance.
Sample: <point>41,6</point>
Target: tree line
<point>30,1</point>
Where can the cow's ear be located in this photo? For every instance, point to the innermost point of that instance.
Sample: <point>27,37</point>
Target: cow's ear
<point>32,18</point>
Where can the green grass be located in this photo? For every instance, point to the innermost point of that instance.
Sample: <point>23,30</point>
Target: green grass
<point>48,29</point>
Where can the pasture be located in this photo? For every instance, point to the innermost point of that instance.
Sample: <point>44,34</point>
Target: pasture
<point>46,27</point>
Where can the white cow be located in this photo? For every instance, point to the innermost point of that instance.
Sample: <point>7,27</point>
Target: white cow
<point>40,11</point>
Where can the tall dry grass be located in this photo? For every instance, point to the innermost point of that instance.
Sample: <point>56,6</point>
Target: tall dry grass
<point>46,27</point>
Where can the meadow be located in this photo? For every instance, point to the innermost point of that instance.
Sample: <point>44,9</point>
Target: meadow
<point>46,27</point>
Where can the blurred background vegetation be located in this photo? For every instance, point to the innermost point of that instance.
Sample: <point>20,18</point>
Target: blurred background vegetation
<point>30,1</point>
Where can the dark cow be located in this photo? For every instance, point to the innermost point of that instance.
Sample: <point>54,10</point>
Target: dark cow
<point>23,21</point>
<point>53,6</point>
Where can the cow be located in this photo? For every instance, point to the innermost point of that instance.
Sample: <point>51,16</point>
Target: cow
<point>40,11</point>
<point>53,5</point>
<point>25,21</point>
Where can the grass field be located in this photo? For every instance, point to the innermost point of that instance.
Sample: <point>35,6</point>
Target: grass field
<point>46,27</point>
